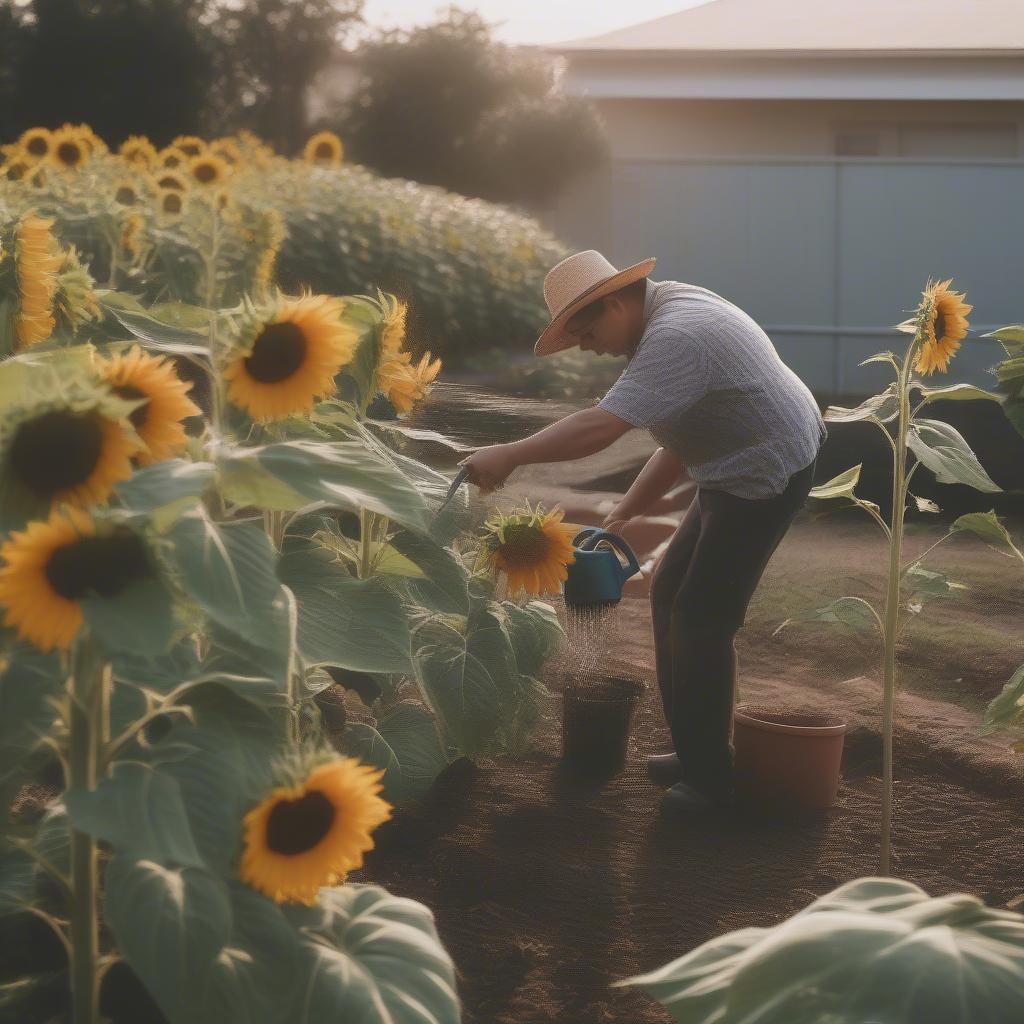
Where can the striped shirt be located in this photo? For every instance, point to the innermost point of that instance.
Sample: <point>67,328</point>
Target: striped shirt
<point>707,383</point>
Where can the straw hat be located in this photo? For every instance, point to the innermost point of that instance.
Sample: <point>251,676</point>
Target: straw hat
<point>573,284</point>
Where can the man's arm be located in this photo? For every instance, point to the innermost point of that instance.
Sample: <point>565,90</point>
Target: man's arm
<point>574,437</point>
<point>661,471</point>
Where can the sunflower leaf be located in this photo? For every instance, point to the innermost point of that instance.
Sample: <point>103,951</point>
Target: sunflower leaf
<point>881,408</point>
<point>987,526</point>
<point>1006,710</point>
<point>945,451</point>
<point>841,486</point>
<point>854,612</point>
<point>958,392</point>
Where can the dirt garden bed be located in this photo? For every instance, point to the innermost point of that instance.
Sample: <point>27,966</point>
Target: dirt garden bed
<point>546,890</point>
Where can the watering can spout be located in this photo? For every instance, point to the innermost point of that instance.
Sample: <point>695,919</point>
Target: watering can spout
<point>596,576</point>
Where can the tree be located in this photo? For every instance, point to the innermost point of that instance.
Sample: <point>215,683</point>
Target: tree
<point>268,52</point>
<point>123,66</point>
<point>446,105</point>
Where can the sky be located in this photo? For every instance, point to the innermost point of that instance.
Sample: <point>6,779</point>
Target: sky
<point>529,21</point>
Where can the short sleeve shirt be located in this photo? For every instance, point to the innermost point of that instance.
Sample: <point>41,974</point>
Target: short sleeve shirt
<point>709,386</point>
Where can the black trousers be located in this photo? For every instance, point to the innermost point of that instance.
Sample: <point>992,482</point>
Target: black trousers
<point>699,598</point>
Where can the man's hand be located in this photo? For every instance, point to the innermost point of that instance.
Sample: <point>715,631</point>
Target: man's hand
<point>489,467</point>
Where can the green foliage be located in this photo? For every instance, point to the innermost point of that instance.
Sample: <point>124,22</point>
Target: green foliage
<point>873,949</point>
<point>444,104</point>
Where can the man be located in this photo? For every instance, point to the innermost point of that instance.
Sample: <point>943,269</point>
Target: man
<point>708,385</point>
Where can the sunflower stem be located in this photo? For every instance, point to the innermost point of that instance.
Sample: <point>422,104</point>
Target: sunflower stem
<point>88,683</point>
<point>892,608</point>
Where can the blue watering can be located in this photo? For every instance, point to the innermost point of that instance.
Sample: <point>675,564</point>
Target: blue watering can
<point>597,575</point>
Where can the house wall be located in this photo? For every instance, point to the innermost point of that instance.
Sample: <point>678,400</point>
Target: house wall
<point>761,202</point>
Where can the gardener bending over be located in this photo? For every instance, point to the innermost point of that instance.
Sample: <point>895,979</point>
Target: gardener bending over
<point>707,383</point>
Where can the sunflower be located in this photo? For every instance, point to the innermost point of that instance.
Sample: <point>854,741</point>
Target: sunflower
<point>68,150</point>
<point>17,167</point>
<point>74,449</point>
<point>207,169</point>
<point>36,143</point>
<point>130,235</point>
<point>170,202</point>
<point>289,357</point>
<point>51,565</point>
<point>76,299</point>
<point>171,180</point>
<point>170,157</point>
<point>392,332</point>
<point>135,375</point>
<point>38,259</point>
<point>191,145</point>
<point>302,837</point>
<point>323,148</point>
<point>36,176</point>
<point>406,384</point>
<point>91,140</point>
<point>944,326</point>
<point>531,546</point>
<point>227,149</point>
<point>126,192</point>
<point>138,150</point>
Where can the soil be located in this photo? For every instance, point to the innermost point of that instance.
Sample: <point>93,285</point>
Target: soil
<point>547,889</point>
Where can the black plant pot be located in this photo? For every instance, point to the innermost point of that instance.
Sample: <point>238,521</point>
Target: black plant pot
<point>596,722</point>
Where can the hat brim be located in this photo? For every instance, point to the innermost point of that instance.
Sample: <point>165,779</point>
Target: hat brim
<point>554,339</point>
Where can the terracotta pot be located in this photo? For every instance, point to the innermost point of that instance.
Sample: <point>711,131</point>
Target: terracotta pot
<point>787,759</point>
<point>596,722</point>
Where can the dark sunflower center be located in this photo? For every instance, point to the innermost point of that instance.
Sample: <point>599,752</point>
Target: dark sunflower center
<point>324,150</point>
<point>98,565</point>
<point>172,203</point>
<point>15,172</point>
<point>69,154</point>
<point>133,394</point>
<point>524,545</point>
<point>205,172</point>
<point>38,146</point>
<point>296,826</point>
<point>56,451</point>
<point>940,325</point>
<point>277,353</point>
<point>125,195</point>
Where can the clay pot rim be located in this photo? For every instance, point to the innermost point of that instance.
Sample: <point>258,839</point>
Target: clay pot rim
<point>757,716</point>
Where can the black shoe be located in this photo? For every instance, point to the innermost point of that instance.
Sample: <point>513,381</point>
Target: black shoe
<point>664,769</point>
<point>684,798</point>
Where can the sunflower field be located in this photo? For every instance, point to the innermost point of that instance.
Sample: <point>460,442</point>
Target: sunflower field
<point>470,271</point>
<point>204,532</point>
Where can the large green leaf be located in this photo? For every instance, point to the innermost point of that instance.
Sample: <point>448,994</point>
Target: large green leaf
<point>879,408</point>
<point>535,632</point>
<point>958,393</point>
<point>372,957</point>
<point>405,744</point>
<point>229,569</point>
<point>987,526</point>
<point>875,949</point>
<point>343,474</point>
<point>29,684</point>
<point>841,486</point>
<point>168,486</point>
<point>443,581</point>
<point>944,450</point>
<point>138,809</point>
<point>157,334</point>
<point>343,621</point>
<point>173,926</point>
<point>140,619</point>
<point>468,677</point>
<point>854,612</point>
<point>1007,709</point>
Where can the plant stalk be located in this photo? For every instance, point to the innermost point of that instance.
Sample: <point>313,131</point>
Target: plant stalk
<point>892,609</point>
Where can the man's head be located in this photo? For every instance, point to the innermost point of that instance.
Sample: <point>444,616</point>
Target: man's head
<point>612,324</point>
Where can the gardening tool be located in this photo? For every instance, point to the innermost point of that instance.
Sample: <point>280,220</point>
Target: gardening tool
<point>460,478</point>
<point>596,576</point>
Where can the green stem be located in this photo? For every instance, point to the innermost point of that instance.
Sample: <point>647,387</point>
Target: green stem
<point>892,610</point>
<point>88,702</point>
